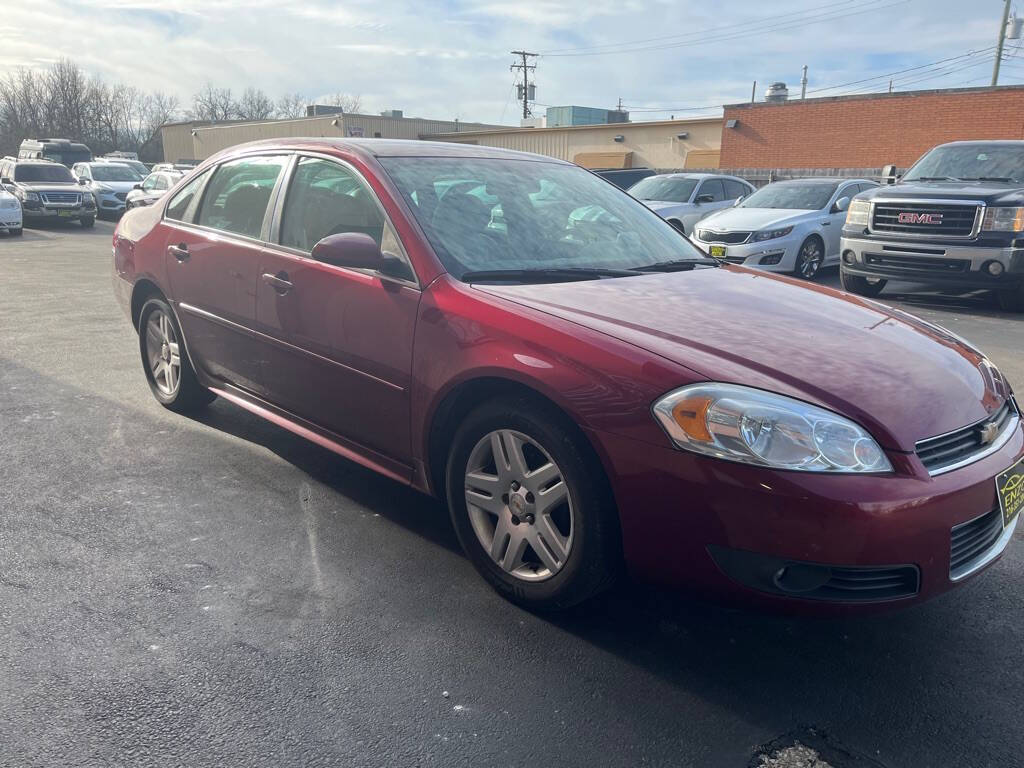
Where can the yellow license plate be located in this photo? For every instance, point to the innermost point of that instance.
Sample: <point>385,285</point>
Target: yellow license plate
<point>1010,489</point>
<point>718,251</point>
<point>67,213</point>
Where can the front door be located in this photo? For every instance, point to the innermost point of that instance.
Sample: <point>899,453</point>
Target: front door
<point>338,342</point>
<point>213,250</point>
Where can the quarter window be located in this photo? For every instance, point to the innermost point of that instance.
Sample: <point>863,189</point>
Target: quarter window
<point>181,202</point>
<point>324,199</point>
<point>236,198</point>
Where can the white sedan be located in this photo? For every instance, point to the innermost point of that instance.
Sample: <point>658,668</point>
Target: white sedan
<point>683,199</point>
<point>10,212</point>
<point>789,226</point>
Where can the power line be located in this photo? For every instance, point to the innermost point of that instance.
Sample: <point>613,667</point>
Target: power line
<point>703,39</point>
<point>901,71</point>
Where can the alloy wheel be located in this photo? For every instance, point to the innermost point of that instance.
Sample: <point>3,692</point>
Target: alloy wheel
<point>811,258</point>
<point>519,505</point>
<point>162,353</point>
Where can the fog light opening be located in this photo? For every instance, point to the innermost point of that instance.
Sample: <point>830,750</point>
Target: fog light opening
<point>994,268</point>
<point>772,258</point>
<point>800,577</point>
<point>849,257</point>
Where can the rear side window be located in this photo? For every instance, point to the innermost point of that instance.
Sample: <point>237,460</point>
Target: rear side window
<point>324,199</point>
<point>236,198</point>
<point>179,204</point>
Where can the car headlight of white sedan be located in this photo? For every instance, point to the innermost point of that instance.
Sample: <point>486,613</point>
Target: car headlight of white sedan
<point>770,234</point>
<point>753,426</point>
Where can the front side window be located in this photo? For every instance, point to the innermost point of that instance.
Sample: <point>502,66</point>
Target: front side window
<point>712,188</point>
<point>161,182</point>
<point>664,189</point>
<point>494,214</point>
<point>150,182</point>
<point>809,196</point>
<point>236,198</point>
<point>180,203</point>
<point>323,199</point>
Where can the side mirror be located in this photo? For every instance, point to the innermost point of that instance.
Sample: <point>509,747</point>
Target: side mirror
<point>705,199</point>
<point>137,186</point>
<point>841,205</point>
<point>83,181</point>
<point>738,200</point>
<point>357,250</point>
<point>6,180</point>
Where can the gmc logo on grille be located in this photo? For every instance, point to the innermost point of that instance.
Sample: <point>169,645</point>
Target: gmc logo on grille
<point>909,217</point>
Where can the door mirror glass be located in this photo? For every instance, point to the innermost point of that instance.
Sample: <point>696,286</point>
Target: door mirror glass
<point>83,181</point>
<point>705,199</point>
<point>137,186</point>
<point>841,205</point>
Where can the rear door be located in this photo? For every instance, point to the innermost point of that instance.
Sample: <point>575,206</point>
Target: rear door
<point>337,342</point>
<point>216,227</point>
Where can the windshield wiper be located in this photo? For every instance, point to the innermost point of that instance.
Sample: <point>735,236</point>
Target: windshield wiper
<point>987,178</point>
<point>678,265</point>
<point>542,274</point>
<point>934,178</point>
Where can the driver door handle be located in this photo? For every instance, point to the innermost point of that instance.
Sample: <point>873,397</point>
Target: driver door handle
<point>278,282</point>
<point>180,252</point>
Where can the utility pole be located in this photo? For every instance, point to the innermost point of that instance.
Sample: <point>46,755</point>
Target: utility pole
<point>803,84</point>
<point>526,67</point>
<point>890,86</point>
<point>753,92</point>
<point>999,45</point>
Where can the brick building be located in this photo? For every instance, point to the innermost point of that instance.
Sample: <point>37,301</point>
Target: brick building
<point>867,131</point>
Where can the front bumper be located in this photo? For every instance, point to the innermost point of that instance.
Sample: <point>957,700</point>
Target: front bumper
<point>961,265</point>
<point>680,512</point>
<point>110,202</point>
<point>778,255</point>
<point>52,212</point>
<point>10,218</point>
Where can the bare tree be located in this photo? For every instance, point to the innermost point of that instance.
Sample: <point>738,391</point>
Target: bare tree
<point>214,104</point>
<point>347,101</point>
<point>291,105</point>
<point>254,105</point>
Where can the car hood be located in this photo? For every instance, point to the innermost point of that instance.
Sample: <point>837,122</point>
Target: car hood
<point>898,376</point>
<point>993,193</point>
<point>117,186</point>
<point>751,219</point>
<point>44,186</point>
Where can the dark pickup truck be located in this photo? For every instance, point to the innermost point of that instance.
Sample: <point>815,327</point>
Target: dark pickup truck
<point>955,218</point>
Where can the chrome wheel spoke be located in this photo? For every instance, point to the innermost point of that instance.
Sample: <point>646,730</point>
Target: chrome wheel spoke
<point>542,477</point>
<point>484,491</point>
<point>548,542</point>
<point>552,497</point>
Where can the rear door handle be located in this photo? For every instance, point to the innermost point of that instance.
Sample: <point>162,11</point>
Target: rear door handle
<point>180,252</point>
<point>278,282</point>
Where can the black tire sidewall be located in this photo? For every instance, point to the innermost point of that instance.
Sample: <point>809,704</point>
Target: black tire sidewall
<point>797,267</point>
<point>190,394</point>
<point>593,558</point>
<point>87,222</point>
<point>859,285</point>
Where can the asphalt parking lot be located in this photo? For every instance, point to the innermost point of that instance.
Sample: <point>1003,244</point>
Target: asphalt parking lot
<point>221,592</point>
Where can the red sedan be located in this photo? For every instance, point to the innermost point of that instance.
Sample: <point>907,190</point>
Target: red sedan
<point>587,390</point>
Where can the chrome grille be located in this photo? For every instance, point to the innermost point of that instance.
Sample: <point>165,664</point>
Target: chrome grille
<point>971,541</point>
<point>926,219</point>
<point>955,449</point>
<point>725,238</point>
<point>62,198</point>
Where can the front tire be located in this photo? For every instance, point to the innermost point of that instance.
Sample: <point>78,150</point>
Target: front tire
<point>15,232</point>
<point>678,225</point>
<point>168,371</point>
<point>862,286</point>
<point>530,505</point>
<point>1011,299</point>
<point>87,222</point>
<point>809,258</point>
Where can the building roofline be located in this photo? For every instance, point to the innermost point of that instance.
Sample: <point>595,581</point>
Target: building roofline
<point>203,125</point>
<point>879,95</point>
<point>556,128</point>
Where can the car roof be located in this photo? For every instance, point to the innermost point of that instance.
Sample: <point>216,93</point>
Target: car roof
<point>827,179</point>
<point>388,148</point>
<point>694,176</point>
<point>983,143</point>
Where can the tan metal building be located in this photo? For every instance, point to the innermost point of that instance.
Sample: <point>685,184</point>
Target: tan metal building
<point>664,144</point>
<point>199,140</point>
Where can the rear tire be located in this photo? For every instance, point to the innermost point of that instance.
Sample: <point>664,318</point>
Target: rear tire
<point>542,553</point>
<point>862,286</point>
<point>1011,299</point>
<point>165,362</point>
<point>87,222</point>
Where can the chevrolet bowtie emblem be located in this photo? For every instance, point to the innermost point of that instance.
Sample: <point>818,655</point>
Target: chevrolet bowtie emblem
<point>989,432</point>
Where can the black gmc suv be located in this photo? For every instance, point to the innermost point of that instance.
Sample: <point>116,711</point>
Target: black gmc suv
<point>956,218</point>
<point>47,190</point>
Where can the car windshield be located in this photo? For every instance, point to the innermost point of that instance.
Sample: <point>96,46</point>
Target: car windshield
<point>483,214</point>
<point>663,188</point>
<point>42,172</point>
<point>114,172</point>
<point>970,161</point>
<point>809,196</point>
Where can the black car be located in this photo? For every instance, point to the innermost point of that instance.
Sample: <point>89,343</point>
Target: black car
<point>624,178</point>
<point>47,191</point>
<point>152,188</point>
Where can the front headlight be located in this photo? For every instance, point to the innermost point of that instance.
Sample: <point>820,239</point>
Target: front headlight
<point>102,188</point>
<point>858,213</point>
<point>770,234</point>
<point>753,426</point>
<point>1003,220</point>
<point>29,196</point>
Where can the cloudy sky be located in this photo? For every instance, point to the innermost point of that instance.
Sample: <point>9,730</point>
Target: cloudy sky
<point>448,58</point>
